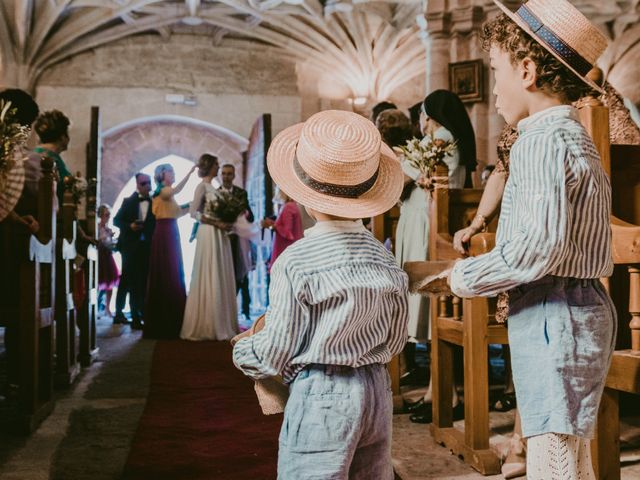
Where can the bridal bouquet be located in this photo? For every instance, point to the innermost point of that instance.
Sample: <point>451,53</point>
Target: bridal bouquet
<point>12,137</point>
<point>424,154</point>
<point>224,207</point>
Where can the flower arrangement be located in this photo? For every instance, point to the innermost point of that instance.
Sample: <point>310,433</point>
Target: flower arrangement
<point>424,154</point>
<point>77,185</point>
<point>12,137</point>
<point>224,206</point>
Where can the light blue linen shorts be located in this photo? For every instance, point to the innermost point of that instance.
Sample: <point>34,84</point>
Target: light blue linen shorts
<point>562,335</point>
<point>337,425</point>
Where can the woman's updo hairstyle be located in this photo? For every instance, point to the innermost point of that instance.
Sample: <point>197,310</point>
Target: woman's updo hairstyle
<point>51,126</point>
<point>158,176</point>
<point>205,164</point>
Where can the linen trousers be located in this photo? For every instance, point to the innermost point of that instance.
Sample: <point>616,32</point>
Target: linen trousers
<point>562,336</point>
<point>337,425</point>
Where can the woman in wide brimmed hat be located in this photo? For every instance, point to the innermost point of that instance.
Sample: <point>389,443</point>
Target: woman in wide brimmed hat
<point>338,302</point>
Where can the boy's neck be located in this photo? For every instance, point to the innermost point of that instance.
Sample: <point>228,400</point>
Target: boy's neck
<point>325,217</point>
<point>540,101</point>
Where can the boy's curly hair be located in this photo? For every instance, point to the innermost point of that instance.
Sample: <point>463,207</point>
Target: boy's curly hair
<point>553,76</point>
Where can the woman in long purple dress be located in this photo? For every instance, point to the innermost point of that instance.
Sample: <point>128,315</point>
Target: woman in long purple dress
<point>166,293</point>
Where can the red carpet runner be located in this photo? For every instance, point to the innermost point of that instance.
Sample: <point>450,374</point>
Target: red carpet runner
<point>202,419</point>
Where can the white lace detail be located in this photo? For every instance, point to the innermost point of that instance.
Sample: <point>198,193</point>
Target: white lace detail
<point>559,457</point>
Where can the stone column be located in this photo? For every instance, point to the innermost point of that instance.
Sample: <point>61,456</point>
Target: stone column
<point>452,33</point>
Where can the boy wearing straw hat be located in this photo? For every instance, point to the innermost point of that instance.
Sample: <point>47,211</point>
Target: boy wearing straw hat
<point>338,303</point>
<point>554,239</point>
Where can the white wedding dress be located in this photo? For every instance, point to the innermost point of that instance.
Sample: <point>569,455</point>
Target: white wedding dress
<point>211,310</point>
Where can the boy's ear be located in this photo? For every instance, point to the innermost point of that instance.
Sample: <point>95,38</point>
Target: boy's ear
<point>528,73</point>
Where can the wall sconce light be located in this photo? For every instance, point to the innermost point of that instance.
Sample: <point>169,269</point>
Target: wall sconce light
<point>359,101</point>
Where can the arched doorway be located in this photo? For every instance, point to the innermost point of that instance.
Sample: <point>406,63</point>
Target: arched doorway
<point>142,144</point>
<point>131,146</point>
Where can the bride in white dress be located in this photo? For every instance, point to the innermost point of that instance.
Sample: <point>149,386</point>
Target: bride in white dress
<point>211,309</point>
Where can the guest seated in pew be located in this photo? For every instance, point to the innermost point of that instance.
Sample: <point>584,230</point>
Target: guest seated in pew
<point>52,128</point>
<point>338,303</point>
<point>561,320</point>
<point>18,213</point>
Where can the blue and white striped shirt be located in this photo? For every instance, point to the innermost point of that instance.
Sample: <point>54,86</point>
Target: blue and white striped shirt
<point>337,298</point>
<point>555,214</point>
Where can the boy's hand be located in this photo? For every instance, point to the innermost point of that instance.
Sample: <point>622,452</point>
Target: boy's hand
<point>255,328</point>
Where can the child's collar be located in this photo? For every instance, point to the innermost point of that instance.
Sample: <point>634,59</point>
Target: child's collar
<point>335,226</point>
<point>547,114</point>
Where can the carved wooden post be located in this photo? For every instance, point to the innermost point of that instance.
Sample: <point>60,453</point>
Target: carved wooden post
<point>594,116</point>
<point>67,367</point>
<point>457,312</point>
<point>634,307</point>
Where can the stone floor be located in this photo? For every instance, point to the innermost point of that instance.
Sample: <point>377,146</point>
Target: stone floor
<point>417,457</point>
<point>88,435</point>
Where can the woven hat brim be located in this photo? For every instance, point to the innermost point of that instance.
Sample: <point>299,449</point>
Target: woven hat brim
<point>384,194</point>
<point>11,190</point>
<point>522,24</point>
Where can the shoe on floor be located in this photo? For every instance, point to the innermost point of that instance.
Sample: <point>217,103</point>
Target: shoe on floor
<point>120,319</point>
<point>413,407</point>
<point>425,415</point>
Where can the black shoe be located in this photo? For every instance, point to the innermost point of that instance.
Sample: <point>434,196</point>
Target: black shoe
<point>413,407</point>
<point>120,319</point>
<point>415,376</point>
<point>137,324</point>
<point>426,415</point>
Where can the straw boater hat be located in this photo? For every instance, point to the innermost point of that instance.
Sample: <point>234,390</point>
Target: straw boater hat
<point>11,184</point>
<point>336,163</point>
<point>561,29</point>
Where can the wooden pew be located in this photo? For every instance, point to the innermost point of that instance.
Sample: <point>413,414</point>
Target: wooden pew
<point>623,164</point>
<point>87,310</point>
<point>67,366</point>
<point>469,323</point>
<point>33,317</point>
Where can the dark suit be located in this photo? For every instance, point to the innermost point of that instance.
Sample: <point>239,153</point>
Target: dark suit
<point>135,248</point>
<point>238,267</point>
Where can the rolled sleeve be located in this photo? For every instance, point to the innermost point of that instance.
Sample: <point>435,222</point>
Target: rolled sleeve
<point>266,353</point>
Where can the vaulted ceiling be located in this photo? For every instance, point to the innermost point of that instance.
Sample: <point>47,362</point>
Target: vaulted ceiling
<point>371,46</point>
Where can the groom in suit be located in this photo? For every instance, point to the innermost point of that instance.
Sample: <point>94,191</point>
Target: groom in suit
<point>136,223</point>
<point>228,175</point>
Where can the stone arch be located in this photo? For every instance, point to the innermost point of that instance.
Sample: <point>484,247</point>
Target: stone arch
<point>130,146</point>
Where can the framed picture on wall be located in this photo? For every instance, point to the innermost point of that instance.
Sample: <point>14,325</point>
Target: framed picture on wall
<point>466,79</point>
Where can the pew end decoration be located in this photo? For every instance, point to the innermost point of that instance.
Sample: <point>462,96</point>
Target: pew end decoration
<point>271,392</point>
<point>78,187</point>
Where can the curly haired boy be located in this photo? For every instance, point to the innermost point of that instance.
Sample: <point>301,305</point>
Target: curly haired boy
<point>554,239</point>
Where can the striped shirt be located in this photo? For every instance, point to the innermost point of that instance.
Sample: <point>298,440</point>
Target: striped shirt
<point>555,214</point>
<point>336,298</point>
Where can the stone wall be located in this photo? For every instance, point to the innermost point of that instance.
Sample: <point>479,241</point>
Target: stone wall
<point>233,83</point>
<point>130,147</point>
